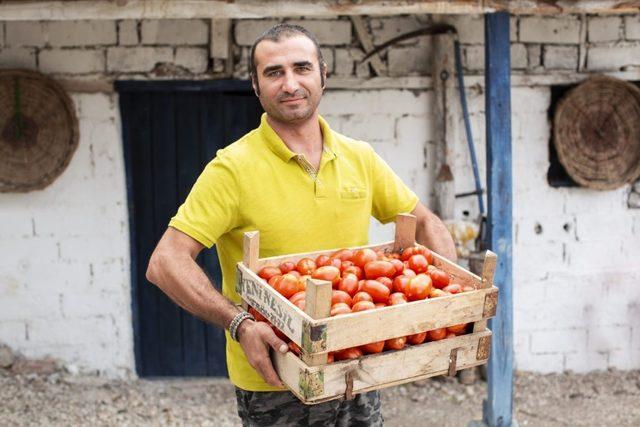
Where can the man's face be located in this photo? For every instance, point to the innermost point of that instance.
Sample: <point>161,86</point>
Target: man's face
<point>288,76</point>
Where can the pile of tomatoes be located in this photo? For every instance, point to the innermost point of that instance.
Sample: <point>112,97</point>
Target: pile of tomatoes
<point>365,279</point>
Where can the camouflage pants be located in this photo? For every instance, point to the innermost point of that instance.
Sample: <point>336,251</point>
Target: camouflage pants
<point>282,408</point>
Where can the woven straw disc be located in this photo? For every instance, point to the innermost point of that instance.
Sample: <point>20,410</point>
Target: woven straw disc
<point>597,133</point>
<point>37,144</point>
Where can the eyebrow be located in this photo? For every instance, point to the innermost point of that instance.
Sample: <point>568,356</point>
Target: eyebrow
<point>279,67</point>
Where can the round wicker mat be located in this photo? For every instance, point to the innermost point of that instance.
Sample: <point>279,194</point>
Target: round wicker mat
<point>38,130</point>
<point>597,133</point>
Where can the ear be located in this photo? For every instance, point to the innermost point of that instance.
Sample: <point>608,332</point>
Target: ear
<point>254,84</point>
<point>323,71</point>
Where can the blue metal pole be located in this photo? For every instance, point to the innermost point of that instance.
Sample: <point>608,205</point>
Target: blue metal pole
<point>498,408</point>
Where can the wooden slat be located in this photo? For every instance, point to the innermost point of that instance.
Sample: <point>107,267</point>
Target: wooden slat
<point>459,274</point>
<point>276,308</point>
<point>317,306</point>
<point>366,40</point>
<point>381,370</point>
<point>499,407</point>
<point>405,319</point>
<point>14,10</point>
<point>251,249</point>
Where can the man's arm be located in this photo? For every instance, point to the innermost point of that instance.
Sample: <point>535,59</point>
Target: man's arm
<point>432,233</point>
<point>173,269</point>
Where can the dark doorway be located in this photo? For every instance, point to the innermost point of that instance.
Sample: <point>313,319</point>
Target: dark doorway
<point>171,130</point>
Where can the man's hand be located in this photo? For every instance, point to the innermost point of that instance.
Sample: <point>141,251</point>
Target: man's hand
<point>255,339</point>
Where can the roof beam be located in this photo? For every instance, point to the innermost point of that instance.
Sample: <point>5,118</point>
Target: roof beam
<point>13,10</point>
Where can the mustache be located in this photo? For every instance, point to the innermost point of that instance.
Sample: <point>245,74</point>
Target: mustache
<point>300,93</point>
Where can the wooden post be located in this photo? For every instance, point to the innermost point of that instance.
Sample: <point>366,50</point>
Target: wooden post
<point>317,305</point>
<point>250,254</point>
<point>405,232</point>
<point>443,77</point>
<point>488,271</point>
<point>498,408</point>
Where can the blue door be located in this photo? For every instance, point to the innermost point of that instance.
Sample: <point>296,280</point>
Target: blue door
<point>171,130</point>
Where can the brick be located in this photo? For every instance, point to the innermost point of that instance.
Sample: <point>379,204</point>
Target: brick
<point>18,57</point>
<point>241,66</point>
<point>605,338</point>
<point>534,55</point>
<point>633,202</point>
<point>327,55</point>
<point>25,33</point>
<point>330,32</point>
<point>246,31</point>
<point>384,29</point>
<point>72,61</point>
<point>583,362</point>
<point>175,32</point>
<point>558,341</point>
<point>537,29</point>
<point>194,59</point>
<point>82,33</point>
<point>632,27</point>
<point>2,33</point>
<point>375,102</point>
<point>470,28</point>
<point>95,106</point>
<point>138,59</point>
<point>13,333</point>
<point>561,57</point>
<point>613,57</point>
<point>473,58</point>
<point>345,59</point>
<point>604,28</point>
<point>71,331</point>
<point>541,363</point>
<point>585,200</point>
<point>128,33</point>
<point>593,227</point>
<point>29,305</point>
<point>624,359</point>
<point>373,127</point>
<point>409,61</point>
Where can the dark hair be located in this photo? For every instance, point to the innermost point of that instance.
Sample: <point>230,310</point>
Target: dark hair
<point>275,34</point>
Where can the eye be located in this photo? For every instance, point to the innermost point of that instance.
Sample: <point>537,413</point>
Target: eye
<point>304,68</point>
<point>274,73</point>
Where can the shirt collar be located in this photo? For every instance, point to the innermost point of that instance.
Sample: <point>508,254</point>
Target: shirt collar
<point>275,143</point>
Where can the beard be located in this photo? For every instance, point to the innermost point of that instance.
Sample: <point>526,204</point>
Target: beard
<point>300,111</point>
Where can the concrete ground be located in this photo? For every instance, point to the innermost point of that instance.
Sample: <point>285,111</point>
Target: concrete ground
<point>595,399</point>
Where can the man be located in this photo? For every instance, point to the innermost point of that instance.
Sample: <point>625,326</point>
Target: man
<point>305,188</point>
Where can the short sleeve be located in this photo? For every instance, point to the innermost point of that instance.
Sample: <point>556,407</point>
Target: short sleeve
<point>211,208</point>
<point>390,195</point>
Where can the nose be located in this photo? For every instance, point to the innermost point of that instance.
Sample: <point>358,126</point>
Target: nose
<point>290,83</point>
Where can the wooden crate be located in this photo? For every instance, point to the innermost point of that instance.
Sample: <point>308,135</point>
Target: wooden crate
<point>313,380</point>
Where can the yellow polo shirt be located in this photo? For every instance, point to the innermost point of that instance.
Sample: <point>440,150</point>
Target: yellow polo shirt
<point>257,183</point>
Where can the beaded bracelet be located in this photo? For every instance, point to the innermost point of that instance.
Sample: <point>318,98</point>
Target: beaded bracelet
<point>237,320</point>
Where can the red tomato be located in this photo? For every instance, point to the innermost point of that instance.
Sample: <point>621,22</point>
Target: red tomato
<point>349,284</point>
<point>287,267</point>
<point>287,285</point>
<point>437,334</point>
<point>399,265</point>
<point>416,339</point>
<point>395,255</point>
<point>322,260</point>
<point>268,271</point>
<point>328,273</point>
<point>360,285</point>
<point>408,272</point>
<point>458,329</point>
<point>295,273</point>
<point>453,288</point>
<point>450,335</point>
<point>420,249</point>
<point>407,253</point>
<point>440,278</point>
<point>341,296</point>
<point>346,264</point>
<point>330,357</point>
<point>371,348</point>
<point>348,353</point>
<point>256,314</point>
<point>301,304</point>
<point>362,306</point>
<point>340,308</point>
<point>297,296</point>
<point>354,269</point>
<point>274,279</point>
<point>375,269</point>
<point>361,296</point>
<point>279,333</point>
<point>343,254</point>
<point>306,266</point>
<point>395,343</point>
<point>380,304</point>
<point>386,281</point>
<point>302,282</point>
<point>294,348</point>
<point>418,263</point>
<point>435,293</point>
<point>400,284</point>
<point>380,254</point>
<point>397,298</point>
<point>363,256</point>
<point>378,291</point>
<point>419,287</point>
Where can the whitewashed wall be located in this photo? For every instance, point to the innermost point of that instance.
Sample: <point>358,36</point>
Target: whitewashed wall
<point>64,273</point>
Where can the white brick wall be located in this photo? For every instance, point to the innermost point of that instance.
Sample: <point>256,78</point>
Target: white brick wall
<point>538,29</point>
<point>175,31</point>
<point>72,61</point>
